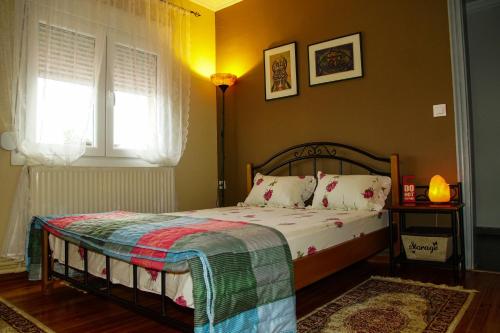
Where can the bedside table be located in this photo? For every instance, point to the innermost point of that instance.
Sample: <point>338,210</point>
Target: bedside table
<point>454,209</point>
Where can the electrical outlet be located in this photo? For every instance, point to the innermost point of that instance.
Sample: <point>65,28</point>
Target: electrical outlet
<point>222,185</point>
<point>439,110</point>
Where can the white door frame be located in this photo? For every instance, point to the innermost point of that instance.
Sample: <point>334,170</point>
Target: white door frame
<point>461,101</point>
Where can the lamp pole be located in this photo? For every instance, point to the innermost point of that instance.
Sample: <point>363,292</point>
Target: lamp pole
<point>222,180</point>
<point>223,81</point>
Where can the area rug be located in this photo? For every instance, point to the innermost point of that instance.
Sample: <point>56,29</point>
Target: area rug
<point>14,320</point>
<point>391,305</point>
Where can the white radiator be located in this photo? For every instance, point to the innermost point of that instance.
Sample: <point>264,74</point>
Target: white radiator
<point>69,190</point>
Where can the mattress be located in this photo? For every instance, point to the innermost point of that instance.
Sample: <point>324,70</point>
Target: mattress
<point>306,231</point>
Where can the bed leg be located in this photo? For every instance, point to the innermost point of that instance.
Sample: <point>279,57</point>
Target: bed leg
<point>46,283</point>
<point>163,308</point>
<point>136,294</point>
<point>85,267</point>
<point>66,259</point>
<point>108,276</point>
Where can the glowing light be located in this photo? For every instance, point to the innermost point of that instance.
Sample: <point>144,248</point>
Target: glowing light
<point>239,66</point>
<point>223,79</point>
<point>203,66</point>
<point>202,60</point>
<point>439,190</point>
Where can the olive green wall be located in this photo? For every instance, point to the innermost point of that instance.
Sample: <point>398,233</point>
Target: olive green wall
<point>407,69</point>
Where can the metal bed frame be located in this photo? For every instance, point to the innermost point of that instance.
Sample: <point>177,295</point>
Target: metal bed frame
<point>49,273</point>
<point>288,157</point>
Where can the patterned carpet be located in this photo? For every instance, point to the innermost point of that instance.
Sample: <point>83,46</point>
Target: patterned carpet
<point>14,320</point>
<point>391,305</point>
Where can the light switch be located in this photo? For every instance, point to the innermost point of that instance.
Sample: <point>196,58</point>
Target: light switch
<point>439,110</point>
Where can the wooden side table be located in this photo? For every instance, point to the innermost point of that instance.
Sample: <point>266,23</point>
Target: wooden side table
<point>455,210</point>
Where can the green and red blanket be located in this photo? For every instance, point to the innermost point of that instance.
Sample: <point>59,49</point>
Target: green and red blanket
<point>242,273</point>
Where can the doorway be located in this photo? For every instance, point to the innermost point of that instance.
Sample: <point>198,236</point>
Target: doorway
<point>483,48</point>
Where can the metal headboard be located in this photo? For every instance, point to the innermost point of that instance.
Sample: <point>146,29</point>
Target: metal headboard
<point>314,151</point>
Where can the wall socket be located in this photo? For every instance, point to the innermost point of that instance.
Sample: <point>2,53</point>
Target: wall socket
<point>221,185</point>
<point>439,110</point>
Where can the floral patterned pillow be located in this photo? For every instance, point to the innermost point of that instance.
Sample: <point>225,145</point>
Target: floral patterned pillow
<point>273,191</point>
<point>351,192</point>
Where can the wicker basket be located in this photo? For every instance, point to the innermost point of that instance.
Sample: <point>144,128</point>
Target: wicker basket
<point>427,247</point>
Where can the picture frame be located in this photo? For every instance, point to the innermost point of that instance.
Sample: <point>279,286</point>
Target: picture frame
<point>336,59</point>
<point>280,71</point>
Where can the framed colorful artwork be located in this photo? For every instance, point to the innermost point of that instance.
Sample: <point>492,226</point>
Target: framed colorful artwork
<point>280,71</point>
<point>335,59</point>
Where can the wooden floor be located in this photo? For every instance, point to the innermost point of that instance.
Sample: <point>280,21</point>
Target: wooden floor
<point>69,310</point>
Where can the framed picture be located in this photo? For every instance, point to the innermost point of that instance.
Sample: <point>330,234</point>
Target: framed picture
<point>335,59</point>
<point>280,71</point>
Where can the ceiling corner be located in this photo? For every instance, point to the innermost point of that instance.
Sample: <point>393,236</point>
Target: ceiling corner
<point>216,5</point>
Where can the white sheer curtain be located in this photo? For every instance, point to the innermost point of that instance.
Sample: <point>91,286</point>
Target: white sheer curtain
<point>79,64</point>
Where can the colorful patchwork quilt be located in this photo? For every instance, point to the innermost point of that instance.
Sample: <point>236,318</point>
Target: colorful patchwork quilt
<point>242,272</point>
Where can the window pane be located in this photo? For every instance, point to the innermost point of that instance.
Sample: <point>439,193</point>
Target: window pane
<point>134,111</point>
<point>63,111</point>
<point>65,86</point>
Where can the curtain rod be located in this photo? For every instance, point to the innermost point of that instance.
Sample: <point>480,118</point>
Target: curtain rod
<point>192,12</point>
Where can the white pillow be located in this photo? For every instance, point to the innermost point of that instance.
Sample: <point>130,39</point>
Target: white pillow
<point>351,192</point>
<point>273,191</point>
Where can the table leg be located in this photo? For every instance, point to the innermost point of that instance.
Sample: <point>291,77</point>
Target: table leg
<point>462,238</point>
<point>391,245</point>
<point>402,218</point>
<point>401,229</point>
<point>455,245</point>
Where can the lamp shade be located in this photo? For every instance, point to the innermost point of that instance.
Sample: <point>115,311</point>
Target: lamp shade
<point>223,79</point>
<point>439,190</point>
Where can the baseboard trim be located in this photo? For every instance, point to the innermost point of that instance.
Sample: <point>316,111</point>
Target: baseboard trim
<point>8,266</point>
<point>484,271</point>
<point>487,231</point>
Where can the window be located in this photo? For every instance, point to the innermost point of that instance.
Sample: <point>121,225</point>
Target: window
<point>66,85</point>
<point>114,100</point>
<point>134,97</point>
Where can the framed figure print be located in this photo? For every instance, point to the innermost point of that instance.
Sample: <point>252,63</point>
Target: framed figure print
<point>280,71</point>
<point>335,59</point>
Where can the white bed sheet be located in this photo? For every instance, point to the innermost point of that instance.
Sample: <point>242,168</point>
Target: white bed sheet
<point>306,230</point>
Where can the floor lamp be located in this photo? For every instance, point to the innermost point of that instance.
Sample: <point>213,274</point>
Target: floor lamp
<point>223,81</point>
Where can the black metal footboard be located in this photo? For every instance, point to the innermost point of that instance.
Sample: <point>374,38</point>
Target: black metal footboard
<point>106,290</point>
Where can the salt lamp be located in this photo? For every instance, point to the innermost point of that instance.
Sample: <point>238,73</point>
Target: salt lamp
<point>439,190</point>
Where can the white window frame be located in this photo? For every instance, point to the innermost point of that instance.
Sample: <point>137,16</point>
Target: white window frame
<point>99,35</point>
<point>17,158</point>
<point>99,148</point>
<point>102,153</point>
<point>114,37</point>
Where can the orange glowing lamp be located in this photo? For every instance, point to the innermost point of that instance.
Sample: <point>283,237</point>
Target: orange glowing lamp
<point>439,190</point>
<point>223,80</point>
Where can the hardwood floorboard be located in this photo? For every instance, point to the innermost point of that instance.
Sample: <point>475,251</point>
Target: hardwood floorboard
<point>70,310</point>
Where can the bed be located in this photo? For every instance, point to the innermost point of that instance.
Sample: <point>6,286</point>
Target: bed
<point>308,231</point>
<point>321,241</point>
